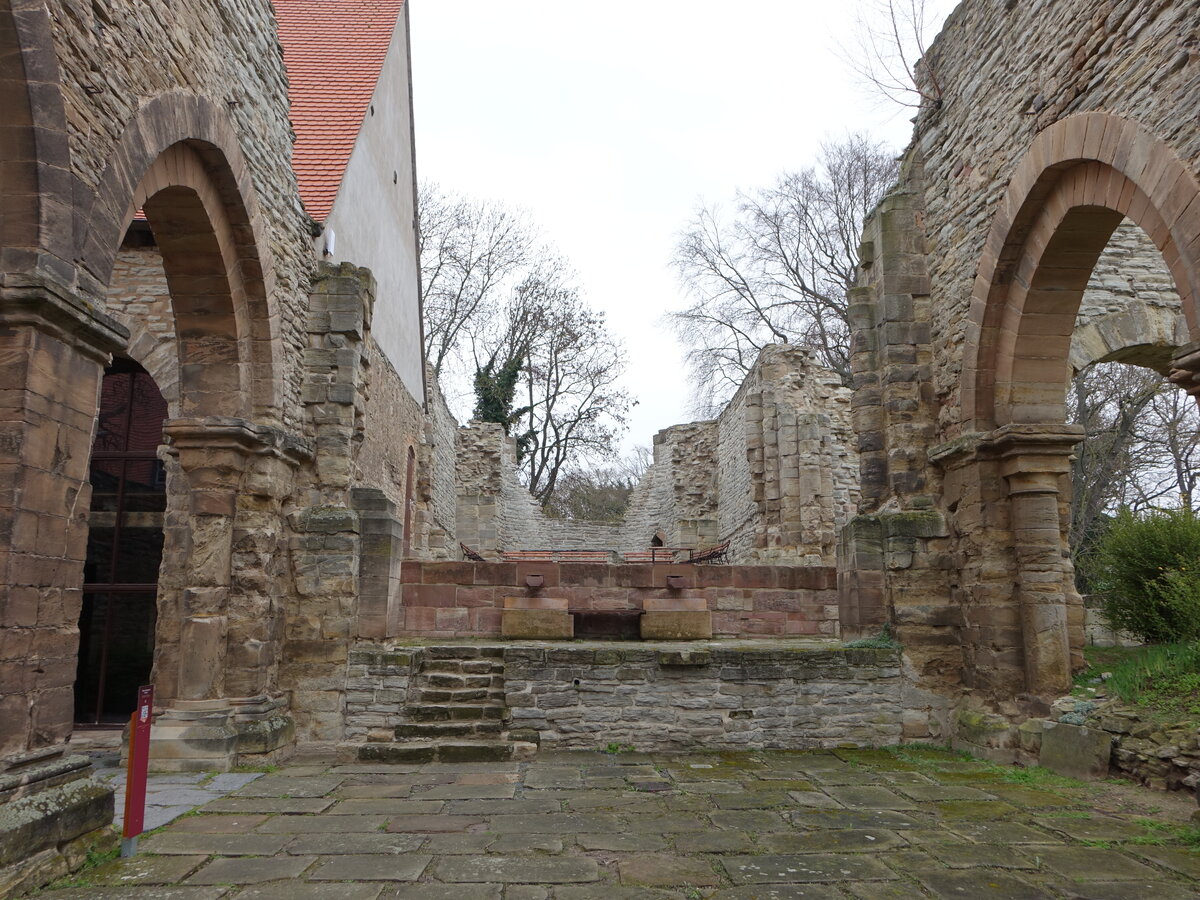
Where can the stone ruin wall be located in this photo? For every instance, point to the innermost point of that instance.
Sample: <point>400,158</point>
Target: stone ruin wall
<point>775,474</point>
<point>1053,58</point>
<point>434,525</point>
<point>110,56</point>
<point>932,551</point>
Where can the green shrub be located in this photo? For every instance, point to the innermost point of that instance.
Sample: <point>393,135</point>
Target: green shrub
<point>1148,569</point>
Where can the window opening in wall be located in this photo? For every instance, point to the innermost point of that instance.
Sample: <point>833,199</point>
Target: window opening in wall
<point>408,499</point>
<point>125,541</point>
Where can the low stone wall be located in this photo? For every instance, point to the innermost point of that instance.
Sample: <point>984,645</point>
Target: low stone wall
<point>733,695</point>
<point>731,698</point>
<point>377,680</point>
<point>448,599</point>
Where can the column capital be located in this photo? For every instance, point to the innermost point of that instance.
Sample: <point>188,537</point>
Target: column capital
<point>228,433</point>
<point>50,307</point>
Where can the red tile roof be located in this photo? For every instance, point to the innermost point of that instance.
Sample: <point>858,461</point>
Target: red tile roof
<point>334,52</point>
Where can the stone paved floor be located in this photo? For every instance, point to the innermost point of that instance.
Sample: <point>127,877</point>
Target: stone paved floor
<point>574,826</point>
<point>167,796</point>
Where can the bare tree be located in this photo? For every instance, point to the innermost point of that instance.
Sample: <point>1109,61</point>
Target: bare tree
<point>779,269</point>
<point>1108,400</point>
<point>1141,447</point>
<point>888,50</point>
<point>599,494</point>
<point>502,312</point>
<point>469,253</point>
<point>568,383</point>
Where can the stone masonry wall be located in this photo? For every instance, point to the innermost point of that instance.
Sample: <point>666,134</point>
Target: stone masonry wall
<point>775,475</point>
<point>395,421</point>
<point>448,599</point>
<point>670,698</point>
<point>724,698</point>
<point>1131,58</point>
<point>111,58</point>
<point>957,333</point>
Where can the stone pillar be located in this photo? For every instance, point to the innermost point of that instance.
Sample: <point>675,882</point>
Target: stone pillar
<point>225,701</point>
<point>381,544</point>
<point>53,349</point>
<point>1033,460</point>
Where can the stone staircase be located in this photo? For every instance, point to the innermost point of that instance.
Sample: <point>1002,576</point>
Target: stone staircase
<point>454,712</point>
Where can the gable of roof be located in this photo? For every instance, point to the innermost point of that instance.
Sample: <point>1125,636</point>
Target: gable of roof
<point>334,52</point>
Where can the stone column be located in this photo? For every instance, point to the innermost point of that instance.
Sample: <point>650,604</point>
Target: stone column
<point>1033,460</point>
<point>226,641</point>
<point>53,349</point>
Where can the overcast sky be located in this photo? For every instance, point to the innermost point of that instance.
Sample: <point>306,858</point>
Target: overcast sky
<point>610,122</point>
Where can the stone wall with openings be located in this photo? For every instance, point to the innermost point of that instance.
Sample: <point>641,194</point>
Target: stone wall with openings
<point>1044,126</point>
<point>775,475</point>
<point>465,599</point>
<point>110,57</point>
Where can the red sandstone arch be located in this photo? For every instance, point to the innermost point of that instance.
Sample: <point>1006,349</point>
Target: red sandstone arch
<point>36,188</point>
<point>1069,192</point>
<point>179,160</point>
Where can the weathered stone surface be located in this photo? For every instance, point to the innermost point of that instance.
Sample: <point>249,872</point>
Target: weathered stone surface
<point>406,867</point>
<point>663,870</point>
<point>507,869</point>
<point>252,871</point>
<point>809,867</point>
<point>536,624</point>
<point>676,625</point>
<point>1075,751</point>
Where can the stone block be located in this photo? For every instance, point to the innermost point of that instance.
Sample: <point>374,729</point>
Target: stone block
<point>675,604</point>
<point>1075,751</point>
<point>685,625</point>
<point>537,624</point>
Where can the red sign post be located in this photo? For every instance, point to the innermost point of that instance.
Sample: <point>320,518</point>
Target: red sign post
<point>135,775</point>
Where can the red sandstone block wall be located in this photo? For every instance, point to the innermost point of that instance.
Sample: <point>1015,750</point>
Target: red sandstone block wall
<point>465,599</point>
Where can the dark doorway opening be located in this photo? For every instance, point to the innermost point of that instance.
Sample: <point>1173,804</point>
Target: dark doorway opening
<point>125,541</point>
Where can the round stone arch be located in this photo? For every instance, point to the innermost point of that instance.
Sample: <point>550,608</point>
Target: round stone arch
<point>1076,183</point>
<point>1072,188</point>
<point>36,190</point>
<point>179,161</point>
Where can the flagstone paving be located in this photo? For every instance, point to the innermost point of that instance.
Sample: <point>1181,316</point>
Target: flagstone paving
<point>910,822</point>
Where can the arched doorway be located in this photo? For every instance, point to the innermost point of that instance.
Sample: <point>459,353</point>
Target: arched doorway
<point>125,543</point>
<point>1081,179</point>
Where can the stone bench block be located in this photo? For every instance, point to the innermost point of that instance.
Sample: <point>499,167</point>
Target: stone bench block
<point>537,624</point>
<point>676,625</point>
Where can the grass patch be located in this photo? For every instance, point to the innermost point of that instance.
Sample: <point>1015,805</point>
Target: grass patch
<point>1162,679</point>
<point>81,877</point>
<point>882,641</point>
<point>1169,832</point>
<point>1036,776</point>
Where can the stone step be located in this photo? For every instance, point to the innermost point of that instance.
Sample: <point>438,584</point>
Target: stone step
<point>463,651</point>
<point>472,728</point>
<point>454,712</point>
<point>446,751</point>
